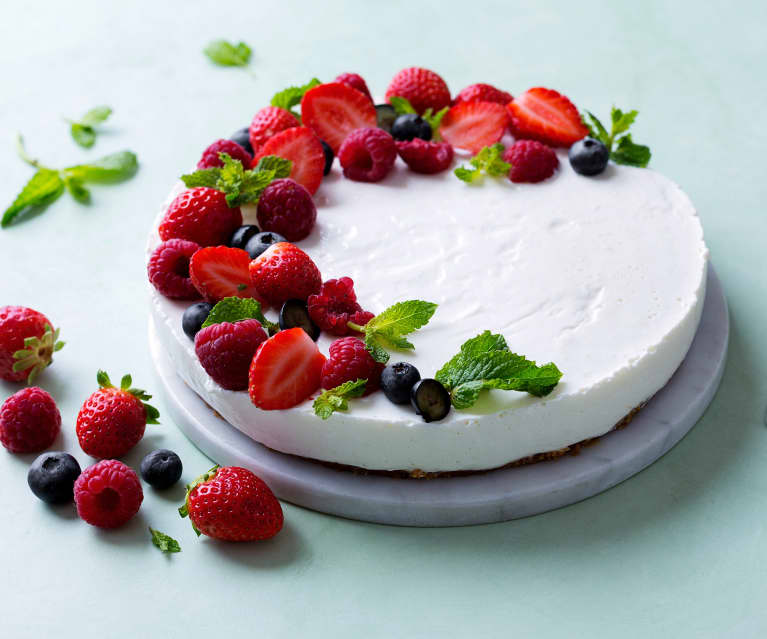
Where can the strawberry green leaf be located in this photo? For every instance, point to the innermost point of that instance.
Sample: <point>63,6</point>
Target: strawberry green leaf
<point>183,510</point>
<point>337,398</point>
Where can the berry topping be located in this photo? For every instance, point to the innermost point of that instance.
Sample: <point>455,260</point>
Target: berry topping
<point>397,380</point>
<point>304,150</point>
<point>219,271</point>
<point>483,93</point>
<point>200,215</point>
<point>547,116</point>
<point>329,157</point>
<point>294,313</point>
<point>588,156</point>
<point>530,161</point>
<point>350,360</point>
<point>29,421</point>
<point>242,137</point>
<point>242,235</point>
<point>52,477</point>
<point>430,400</point>
<point>168,269</point>
<point>423,88</point>
<point>385,116</point>
<point>225,351</point>
<point>426,157</point>
<point>335,305</point>
<point>334,110</point>
<point>355,81</point>
<point>285,371</point>
<point>268,122</point>
<point>210,156</point>
<point>27,343</point>
<point>262,241</point>
<point>161,468</point>
<point>108,494</point>
<point>410,125</point>
<point>284,272</point>
<point>193,317</point>
<point>473,125</point>
<point>287,208</point>
<point>367,155</point>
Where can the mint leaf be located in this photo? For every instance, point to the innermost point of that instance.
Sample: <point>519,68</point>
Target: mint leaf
<point>401,105</point>
<point>77,190</point>
<point>96,115</point>
<point>83,131</point>
<point>467,175</point>
<point>488,161</point>
<point>292,96</point>
<point>203,177</point>
<point>435,120</point>
<point>626,151</point>
<point>280,166</point>
<point>234,309</point>
<point>227,54</point>
<point>239,186</point>
<point>164,542</point>
<point>596,128</point>
<point>621,121</point>
<point>337,398</point>
<point>44,187</point>
<point>630,153</point>
<point>115,167</point>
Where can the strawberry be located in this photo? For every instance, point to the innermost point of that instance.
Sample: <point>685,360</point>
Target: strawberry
<point>200,215</point>
<point>423,88</point>
<point>268,122</point>
<point>303,148</point>
<point>285,370</point>
<point>355,81</point>
<point>232,504</point>
<point>220,271</point>
<point>27,343</point>
<point>547,116</point>
<point>283,272</point>
<point>334,110</point>
<point>473,125</point>
<point>483,93</point>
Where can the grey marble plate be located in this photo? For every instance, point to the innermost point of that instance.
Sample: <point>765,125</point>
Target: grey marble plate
<point>495,496</point>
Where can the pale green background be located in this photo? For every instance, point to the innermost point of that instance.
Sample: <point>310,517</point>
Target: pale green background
<point>679,550</point>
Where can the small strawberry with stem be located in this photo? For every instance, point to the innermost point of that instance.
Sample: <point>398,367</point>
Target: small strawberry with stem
<point>27,343</point>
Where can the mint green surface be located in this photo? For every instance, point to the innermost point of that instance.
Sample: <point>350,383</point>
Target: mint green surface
<point>679,550</point>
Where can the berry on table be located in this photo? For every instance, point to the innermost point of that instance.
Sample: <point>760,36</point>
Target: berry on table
<point>161,468</point>
<point>29,421</point>
<point>284,272</point>
<point>220,271</point>
<point>211,159</point>
<point>168,269</point>
<point>108,494</point>
<point>355,81</point>
<point>287,208</point>
<point>426,157</point>
<point>226,349</point>
<point>242,137</point>
<point>474,125</point>
<point>200,215</point>
<point>334,110</point>
<point>329,157</point>
<point>397,380</point>
<point>410,125</point>
<point>385,116</point>
<point>547,116</point>
<point>303,148</point>
<point>588,156</point>
<point>423,88</point>
<point>482,93</point>
<point>193,318</point>
<point>267,123</point>
<point>335,305</point>
<point>294,313</point>
<point>530,161</point>
<point>242,235</point>
<point>367,155</point>
<point>430,400</point>
<point>262,241</point>
<point>52,476</point>
<point>350,360</point>
<point>27,343</point>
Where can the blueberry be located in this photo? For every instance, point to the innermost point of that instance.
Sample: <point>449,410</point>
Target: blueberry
<point>193,318</point>
<point>409,126</point>
<point>588,156</point>
<point>161,468</point>
<point>294,313</point>
<point>385,115</point>
<point>242,137</point>
<point>241,236</point>
<point>329,155</point>
<point>262,241</point>
<point>430,400</point>
<point>52,477</point>
<point>397,380</point>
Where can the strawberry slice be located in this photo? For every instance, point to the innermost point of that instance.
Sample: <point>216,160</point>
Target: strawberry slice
<point>219,271</point>
<point>303,148</point>
<point>547,116</point>
<point>473,125</point>
<point>334,110</point>
<point>285,370</point>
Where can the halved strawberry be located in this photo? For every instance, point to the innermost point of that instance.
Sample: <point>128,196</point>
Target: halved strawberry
<point>285,370</point>
<point>219,271</point>
<point>473,125</point>
<point>303,148</point>
<point>547,116</point>
<point>334,110</point>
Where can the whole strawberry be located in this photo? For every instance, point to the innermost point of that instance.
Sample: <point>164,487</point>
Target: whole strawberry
<point>355,81</point>
<point>283,272</point>
<point>112,420</point>
<point>232,504</point>
<point>423,88</point>
<point>200,215</point>
<point>29,421</point>
<point>27,343</point>
<point>482,92</point>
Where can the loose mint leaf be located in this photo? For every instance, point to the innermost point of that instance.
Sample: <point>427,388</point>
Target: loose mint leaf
<point>596,128</point>
<point>111,168</point>
<point>621,121</point>
<point>387,329</point>
<point>337,398</point>
<point>467,175</point>
<point>626,151</point>
<point>630,153</point>
<point>488,161</point>
<point>204,177</point>
<point>227,54</point>
<point>280,166</point>
<point>96,115</point>
<point>292,96</point>
<point>164,542</point>
<point>77,190</point>
<point>234,309</point>
<point>401,105</point>
<point>83,134</point>
<point>44,187</point>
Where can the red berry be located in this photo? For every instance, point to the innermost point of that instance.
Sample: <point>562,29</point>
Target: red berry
<point>334,110</point>
<point>168,269</point>
<point>200,215</point>
<point>285,371</point>
<point>303,148</point>
<point>210,157</point>
<point>425,157</point>
<point>350,360</point>
<point>473,125</point>
<point>220,271</point>
<point>108,494</point>
<point>423,88</point>
<point>29,421</point>
<point>283,272</point>
<point>225,351</point>
<point>483,93</point>
<point>27,343</point>
<point>335,305</point>
<point>355,81</point>
<point>547,116</point>
<point>530,161</point>
<point>287,208</point>
<point>367,155</point>
<point>268,122</point>
<point>232,504</point>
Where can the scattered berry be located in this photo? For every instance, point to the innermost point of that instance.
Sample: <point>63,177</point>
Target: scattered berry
<point>350,360</point>
<point>225,351</point>
<point>210,156</point>
<point>27,343</point>
<point>547,116</point>
<point>397,380</point>
<point>530,161</point>
<point>242,137</point>
<point>219,271</point>
<point>473,125</point>
<point>200,215</point>
<point>355,81</point>
<point>409,126</point>
<point>285,371</point>
<point>367,155</point>
<point>483,93</point>
<point>52,477</point>
<point>329,157</point>
<point>423,88</point>
<point>161,468</point>
<point>284,272</point>
<point>268,122</point>
<point>29,421</point>
<point>588,156</point>
<point>334,110</point>
<point>262,241</point>
<point>108,494</point>
<point>168,269</point>
<point>287,208</point>
<point>335,305</point>
<point>304,150</point>
<point>294,313</point>
<point>193,318</point>
<point>385,116</point>
<point>242,235</point>
<point>426,157</point>
<point>430,400</point>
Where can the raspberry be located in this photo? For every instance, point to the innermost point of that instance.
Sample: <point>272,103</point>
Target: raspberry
<point>335,305</point>
<point>287,208</point>
<point>267,122</point>
<point>29,421</point>
<point>27,343</point>
<point>350,360</point>
<point>367,155</point>
<point>423,88</point>
<point>210,157</point>
<point>108,494</point>
<point>226,350</point>
<point>283,272</point>
<point>425,157</point>
<point>530,161</point>
<point>200,215</point>
<point>355,81</point>
<point>483,93</point>
<point>168,269</point>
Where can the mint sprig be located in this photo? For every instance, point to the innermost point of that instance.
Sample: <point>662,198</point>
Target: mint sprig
<point>486,362</point>
<point>488,161</point>
<point>337,398</point>
<point>126,384</point>
<point>627,151</point>
<point>164,542</point>
<point>403,106</point>
<point>235,309</point>
<point>228,54</point>
<point>83,131</point>
<point>292,96</point>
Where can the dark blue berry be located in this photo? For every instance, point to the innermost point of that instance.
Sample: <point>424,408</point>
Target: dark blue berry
<point>397,380</point>
<point>430,400</point>
<point>329,155</point>
<point>409,126</point>
<point>52,477</point>
<point>242,137</point>
<point>193,318</point>
<point>241,236</point>
<point>161,468</point>
<point>385,116</point>
<point>588,156</point>
<point>295,313</point>
<point>262,241</point>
